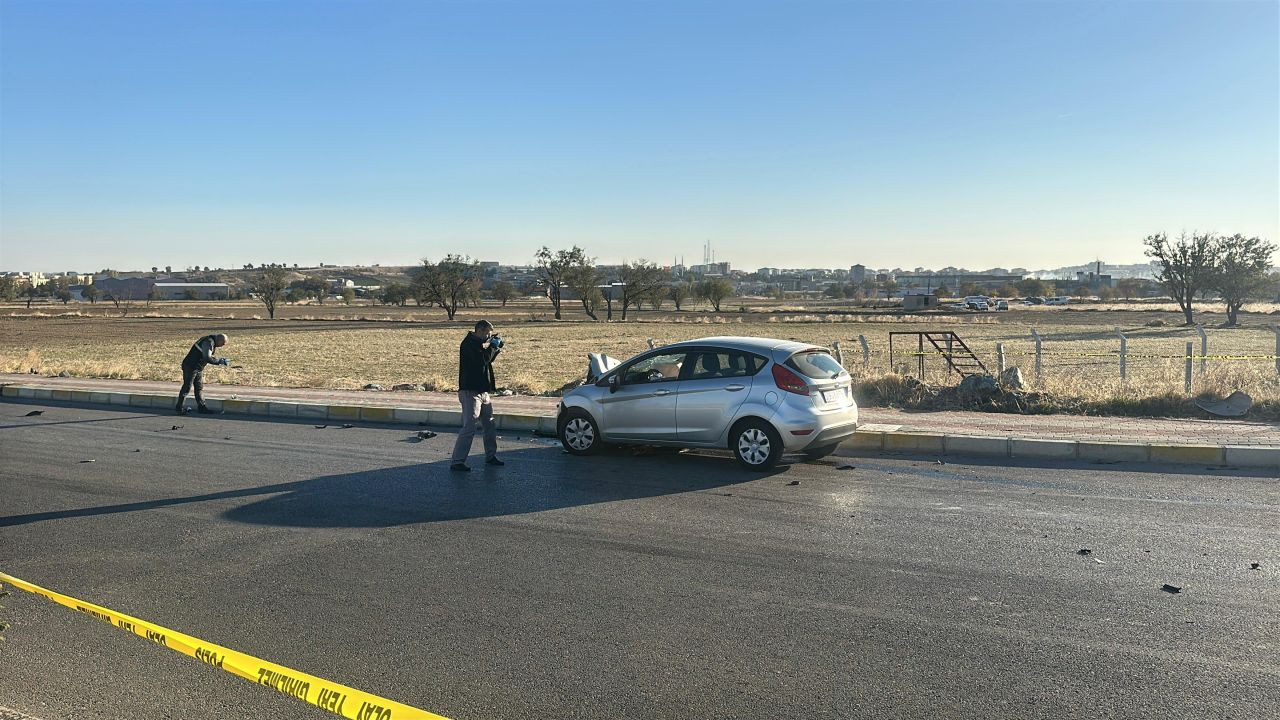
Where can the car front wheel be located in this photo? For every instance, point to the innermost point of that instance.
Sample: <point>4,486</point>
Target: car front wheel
<point>578,432</point>
<point>756,445</point>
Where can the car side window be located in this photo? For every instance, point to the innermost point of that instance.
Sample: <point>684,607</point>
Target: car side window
<point>709,364</point>
<point>654,369</point>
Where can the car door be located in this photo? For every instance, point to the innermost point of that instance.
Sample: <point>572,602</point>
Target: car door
<point>714,386</point>
<point>644,405</point>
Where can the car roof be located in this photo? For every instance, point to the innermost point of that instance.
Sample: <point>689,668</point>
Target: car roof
<point>750,344</point>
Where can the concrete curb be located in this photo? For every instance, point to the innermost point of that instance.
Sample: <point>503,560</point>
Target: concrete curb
<point>512,422</point>
<point>1044,449</point>
<point>864,441</point>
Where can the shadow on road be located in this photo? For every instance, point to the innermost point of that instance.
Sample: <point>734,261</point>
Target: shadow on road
<point>534,479</point>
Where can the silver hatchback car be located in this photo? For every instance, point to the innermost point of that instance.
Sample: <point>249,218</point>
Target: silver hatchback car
<point>758,397</point>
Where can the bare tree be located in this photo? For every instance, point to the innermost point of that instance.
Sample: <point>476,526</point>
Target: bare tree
<point>1240,271</point>
<point>504,292</point>
<point>608,293</point>
<point>123,304</point>
<point>583,279</point>
<point>659,296</point>
<point>715,291</point>
<point>639,281</point>
<point>269,287</point>
<point>552,268</point>
<point>448,284</point>
<point>1186,267</point>
<point>396,294</point>
<point>680,294</point>
<point>90,293</point>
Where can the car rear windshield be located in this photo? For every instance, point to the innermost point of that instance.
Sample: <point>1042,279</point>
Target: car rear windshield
<point>816,364</point>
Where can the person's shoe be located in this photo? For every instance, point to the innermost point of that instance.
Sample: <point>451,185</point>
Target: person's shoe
<point>459,467</point>
<point>204,409</point>
<point>494,461</point>
<point>181,410</point>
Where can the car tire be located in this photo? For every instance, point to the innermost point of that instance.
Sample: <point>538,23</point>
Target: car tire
<point>755,445</point>
<point>820,452</point>
<point>579,433</point>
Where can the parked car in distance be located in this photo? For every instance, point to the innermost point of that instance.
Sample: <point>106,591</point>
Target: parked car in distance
<point>1057,300</point>
<point>757,397</point>
<point>1002,304</point>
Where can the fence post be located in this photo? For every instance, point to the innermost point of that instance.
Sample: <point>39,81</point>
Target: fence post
<point>866,350</point>
<point>1039,366</point>
<point>839,353</point>
<point>1276,329</point>
<point>1204,348</point>
<point>1186,383</point>
<point>1124,355</point>
<point>999,358</point>
<point>950,354</point>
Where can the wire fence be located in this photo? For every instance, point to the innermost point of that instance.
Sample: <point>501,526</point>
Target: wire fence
<point>1106,361</point>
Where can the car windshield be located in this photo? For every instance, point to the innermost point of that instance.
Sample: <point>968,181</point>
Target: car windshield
<point>817,364</point>
<point>655,368</point>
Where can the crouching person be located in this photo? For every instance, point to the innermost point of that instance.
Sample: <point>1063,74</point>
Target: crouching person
<point>200,355</point>
<point>475,382</point>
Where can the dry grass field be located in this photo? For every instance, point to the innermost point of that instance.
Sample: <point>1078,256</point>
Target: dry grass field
<point>336,346</point>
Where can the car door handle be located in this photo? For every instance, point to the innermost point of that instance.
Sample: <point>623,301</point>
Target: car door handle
<point>661,392</point>
<point>735,387</point>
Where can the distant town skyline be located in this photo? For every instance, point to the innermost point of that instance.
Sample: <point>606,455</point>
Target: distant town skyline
<point>799,134</point>
<point>169,269</point>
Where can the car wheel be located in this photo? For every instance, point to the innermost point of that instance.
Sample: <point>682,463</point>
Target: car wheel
<point>578,432</point>
<point>820,452</point>
<point>756,445</point>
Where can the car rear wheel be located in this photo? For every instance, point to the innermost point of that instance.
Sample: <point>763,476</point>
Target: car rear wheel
<point>756,445</point>
<point>578,432</point>
<point>820,452</point>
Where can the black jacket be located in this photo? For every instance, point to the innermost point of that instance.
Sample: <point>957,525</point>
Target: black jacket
<point>475,365</point>
<point>201,353</point>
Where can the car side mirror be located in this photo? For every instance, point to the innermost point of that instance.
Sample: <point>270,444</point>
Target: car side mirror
<point>614,381</point>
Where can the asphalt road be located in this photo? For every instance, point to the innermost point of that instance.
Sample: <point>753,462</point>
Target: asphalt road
<point>624,586</point>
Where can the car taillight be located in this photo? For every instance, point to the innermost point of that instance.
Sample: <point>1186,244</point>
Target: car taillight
<point>789,381</point>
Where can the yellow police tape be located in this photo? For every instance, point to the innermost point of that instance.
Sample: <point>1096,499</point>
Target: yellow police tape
<point>337,699</point>
<point>1113,354</point>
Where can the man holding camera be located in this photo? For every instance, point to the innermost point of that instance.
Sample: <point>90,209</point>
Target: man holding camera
<point>475,382</point>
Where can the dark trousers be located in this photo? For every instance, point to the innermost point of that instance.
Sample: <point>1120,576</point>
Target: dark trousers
<point>192,377</point>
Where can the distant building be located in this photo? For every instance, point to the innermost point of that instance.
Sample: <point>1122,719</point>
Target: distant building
<point>133,288</point>
<point>144,288</point>
<point>929,281</point>
<point>185,290</point>
<point>715,268</point>
<point>858,274</point>
<point>920,301</point>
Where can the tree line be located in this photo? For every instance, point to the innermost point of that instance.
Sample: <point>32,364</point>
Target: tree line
<point>454,282</point>
<point>1235,268</point>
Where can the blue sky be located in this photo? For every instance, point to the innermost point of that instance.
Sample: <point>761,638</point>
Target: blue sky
<point>908,134</point>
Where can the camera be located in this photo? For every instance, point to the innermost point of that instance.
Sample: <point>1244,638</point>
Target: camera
<point>496,341</point>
